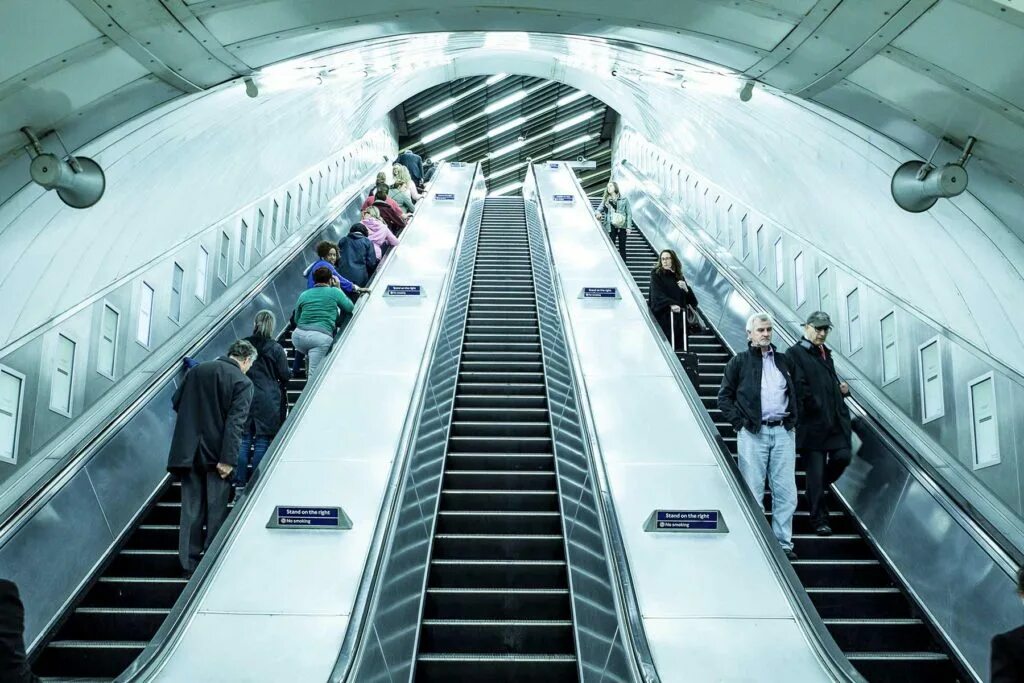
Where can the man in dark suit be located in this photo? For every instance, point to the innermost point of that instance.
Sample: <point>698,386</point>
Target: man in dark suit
<point>13,662</point>
<point>212,405</point>
<point>823,433</point>
<point>1008,648</point>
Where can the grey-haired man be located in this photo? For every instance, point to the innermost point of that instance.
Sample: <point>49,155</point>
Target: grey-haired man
<point>758,400</point>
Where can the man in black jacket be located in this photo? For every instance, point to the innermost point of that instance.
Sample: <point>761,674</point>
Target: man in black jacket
<point>823,435</point>
<point>212,405</point>
<point>1008,648</point>
<point>758,399</point>
<point>13,662</point>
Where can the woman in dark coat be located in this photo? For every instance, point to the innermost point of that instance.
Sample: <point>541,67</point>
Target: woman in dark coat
<point>669,293</point>
<point>269,376</point>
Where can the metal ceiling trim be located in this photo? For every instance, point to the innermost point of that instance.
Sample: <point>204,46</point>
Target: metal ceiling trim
<point>195,28</point>
<point>102,20</point>
<point>997,9</point>
<point>817,15</point>
<point>37,72</point>
<point>981,97</point>
<point>886,33</point>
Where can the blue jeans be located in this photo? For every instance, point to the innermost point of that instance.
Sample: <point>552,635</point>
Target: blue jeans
<point>771,452</point>
<point>259,446</point>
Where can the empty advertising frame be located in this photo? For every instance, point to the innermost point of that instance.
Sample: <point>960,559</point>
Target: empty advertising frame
<point>177,284</point>
<point>780,264</point>
<point>224,258</point>
<point>933,405</point>
<point>106,351</point>
<point>62,377</point>
<point>824,291</point>
<point>759,255</point>
<point>144,329</point>
<point>202,273</point>
<point>984,425</point>
<point>890,348</point>
<point>799,283</point>
<point>12,394</point>
<point>854,334</point>
<point>243,245</point>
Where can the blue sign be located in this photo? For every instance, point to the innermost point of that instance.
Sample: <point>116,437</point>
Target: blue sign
<point>456,164</point>
<point>288,516</point>
<point>564,198</point>
<point>403,290</point>
<point>554,166</point>
<point>686,520</point>
<point>444,196</point>
<point>600,293</point>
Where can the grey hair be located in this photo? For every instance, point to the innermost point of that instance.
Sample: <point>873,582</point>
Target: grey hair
<point>263,325</point>
<point>757,317</point>
<point>242,350</point>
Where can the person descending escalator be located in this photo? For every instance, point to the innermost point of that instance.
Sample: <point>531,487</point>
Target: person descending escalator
<point>616,216</point>
<point>671,298</point>
<point>269,376</point>
<point>14,667</point>
<point>823,433</point>
<point>758,399</point>
<point>212,404</point>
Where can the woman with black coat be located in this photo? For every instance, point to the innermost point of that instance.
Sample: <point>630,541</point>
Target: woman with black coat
<point>269,375</point>
<point>669,293</point>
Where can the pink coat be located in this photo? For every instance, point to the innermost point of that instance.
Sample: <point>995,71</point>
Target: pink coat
<point>379,233</point>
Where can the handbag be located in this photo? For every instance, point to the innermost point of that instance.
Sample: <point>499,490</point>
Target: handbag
<point>618,219</point>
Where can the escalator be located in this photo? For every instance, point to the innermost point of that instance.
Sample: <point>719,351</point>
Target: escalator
<point>497,604</point>
<point>877,627</point>
<point>113,620</point>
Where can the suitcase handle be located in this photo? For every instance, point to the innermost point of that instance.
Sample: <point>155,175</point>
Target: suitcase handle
<point>672,325</point>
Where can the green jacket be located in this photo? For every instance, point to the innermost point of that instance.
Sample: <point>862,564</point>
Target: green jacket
<point>318,307</point>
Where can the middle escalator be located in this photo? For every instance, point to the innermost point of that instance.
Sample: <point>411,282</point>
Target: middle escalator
<point>497,604</point>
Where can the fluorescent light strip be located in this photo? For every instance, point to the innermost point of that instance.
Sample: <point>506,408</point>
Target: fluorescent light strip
<point>505,127</point>
<point>430,111</point>
<point>576,120</point>
<point>569,99</point>
<point>441,156</point>
<point>439,133</point>
<point>505,102</point>
<point>572,143</point>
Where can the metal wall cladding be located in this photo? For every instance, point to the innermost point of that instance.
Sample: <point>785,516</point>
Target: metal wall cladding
<point>45,436</point>
<point>599,636</point>
<point>954,572</point>
<point>55,551</point>
<point>387,651</point>
<point>716,221</point>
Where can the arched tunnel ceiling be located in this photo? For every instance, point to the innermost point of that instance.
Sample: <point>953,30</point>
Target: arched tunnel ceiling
<point>502,121</point>
<point>915,70</point>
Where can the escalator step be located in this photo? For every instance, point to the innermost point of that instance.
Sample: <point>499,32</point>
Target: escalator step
<point>496,668</point>
<point>471,636</point>
<point>497,603</point>
<point>497,573</point>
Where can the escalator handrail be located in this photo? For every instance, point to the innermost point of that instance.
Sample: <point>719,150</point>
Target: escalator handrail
<point>823,645</point>
<point>1002,549</point>
<point>627,603</point>
<point>161,646</point>
<point>384,532</point>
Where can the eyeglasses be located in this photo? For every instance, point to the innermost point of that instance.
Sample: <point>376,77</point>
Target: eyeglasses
<point>823,328</point>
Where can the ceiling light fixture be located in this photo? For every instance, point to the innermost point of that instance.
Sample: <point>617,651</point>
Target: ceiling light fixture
<point>439,133</point>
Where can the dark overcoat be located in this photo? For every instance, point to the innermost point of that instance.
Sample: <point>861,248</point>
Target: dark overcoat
<point>14,666</point>
<point>269,376</point>
<point>824,418</point>
<point>212,403</point>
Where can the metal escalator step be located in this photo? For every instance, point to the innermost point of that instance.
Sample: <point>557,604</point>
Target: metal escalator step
<point>904,667</point>
<point>500,401</point>
<point>79,659</point>
<point>496,574</point>
<point>885,602</point>
<point>153,562</point>
<point>498,522</point>
<point>499,444</point>
<point>499,414</point>
<point>510,480</point>
<point>111,591</point>
<point>114,623</point>
<point>518,429</point>
<point>881,635</point>
<point>498,546</point>
<point>508,668</point>
<point>480,387</point>
<point>502,461</point>
<point>479,636</point>
<point>497,603</point>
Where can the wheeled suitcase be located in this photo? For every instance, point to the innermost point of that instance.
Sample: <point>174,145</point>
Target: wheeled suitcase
<point>689,359</point>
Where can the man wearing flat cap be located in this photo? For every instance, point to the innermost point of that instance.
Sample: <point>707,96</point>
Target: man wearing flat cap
<point>823,432</point>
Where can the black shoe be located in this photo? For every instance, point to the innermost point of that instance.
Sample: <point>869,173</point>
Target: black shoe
<point>790,555</point>
<point>823,530</point>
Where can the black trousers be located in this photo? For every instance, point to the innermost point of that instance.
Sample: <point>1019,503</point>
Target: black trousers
<point>204,501</point>
<point>618,237</point>
<point>823,469</point>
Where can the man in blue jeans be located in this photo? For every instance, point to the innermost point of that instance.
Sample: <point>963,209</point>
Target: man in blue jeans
<point>758,399</point>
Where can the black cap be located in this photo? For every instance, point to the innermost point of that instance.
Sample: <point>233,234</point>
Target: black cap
<point>360,228</point>
<point>819,319</point>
